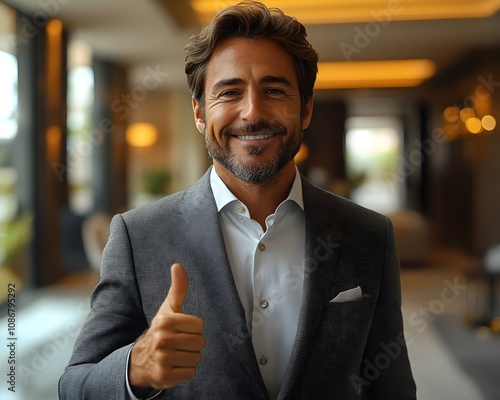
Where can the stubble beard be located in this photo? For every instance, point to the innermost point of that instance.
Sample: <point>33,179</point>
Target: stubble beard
<point>255,171</point>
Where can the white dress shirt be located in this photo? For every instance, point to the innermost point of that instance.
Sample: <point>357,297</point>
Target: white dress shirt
<point>268,271</point>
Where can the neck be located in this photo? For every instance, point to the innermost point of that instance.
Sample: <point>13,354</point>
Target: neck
<point>261,198</point>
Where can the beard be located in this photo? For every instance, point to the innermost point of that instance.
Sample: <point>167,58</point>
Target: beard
<point>255,171</point>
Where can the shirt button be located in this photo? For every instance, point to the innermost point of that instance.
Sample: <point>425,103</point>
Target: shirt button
<point>262,360</point>
<point>263,303</point>
<point>241,209</point>
<point>262,246</point>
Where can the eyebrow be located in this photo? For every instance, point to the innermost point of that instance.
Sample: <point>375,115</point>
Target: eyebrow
<point>275,79</point>
<point>227,82</point>
<point>238,81</point>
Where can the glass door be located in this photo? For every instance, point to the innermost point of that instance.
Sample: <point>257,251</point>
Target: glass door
<point>15,222</point>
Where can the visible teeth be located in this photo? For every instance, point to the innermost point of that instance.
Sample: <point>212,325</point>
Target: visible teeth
<point>255,137</point>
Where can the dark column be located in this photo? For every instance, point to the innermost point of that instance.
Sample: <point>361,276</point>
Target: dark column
<point>41,142</point>
<point>112,105</point>
<point>325,138</point>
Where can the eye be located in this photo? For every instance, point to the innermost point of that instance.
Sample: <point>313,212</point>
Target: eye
<point>229,93</point>
<point>275,91</point>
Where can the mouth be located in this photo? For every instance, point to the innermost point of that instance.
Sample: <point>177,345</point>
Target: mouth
<point>255,137</point>
<point>255,132</point>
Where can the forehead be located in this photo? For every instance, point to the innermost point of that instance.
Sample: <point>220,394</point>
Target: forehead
<point>249,58</point>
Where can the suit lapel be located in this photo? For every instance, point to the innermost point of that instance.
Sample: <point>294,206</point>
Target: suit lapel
<point>323,235</point>
<point>215,272</point>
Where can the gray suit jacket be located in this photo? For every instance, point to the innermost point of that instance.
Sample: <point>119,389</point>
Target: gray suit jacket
<point>338,346</point>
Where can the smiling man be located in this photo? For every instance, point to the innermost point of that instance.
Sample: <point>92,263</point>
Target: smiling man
<point>253,121</point>
<point>252,283</point>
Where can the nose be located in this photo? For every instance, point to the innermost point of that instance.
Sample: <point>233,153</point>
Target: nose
<point>253,108</point>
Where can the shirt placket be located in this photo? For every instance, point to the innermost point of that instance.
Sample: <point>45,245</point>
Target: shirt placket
<point>263,334</point>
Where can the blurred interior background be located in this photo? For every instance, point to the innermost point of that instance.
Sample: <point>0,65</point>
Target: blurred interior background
<point>95,119</point>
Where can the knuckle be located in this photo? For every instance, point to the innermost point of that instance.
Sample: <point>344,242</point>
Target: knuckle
<point>197,358</point>
<point>164,321</point>
<point>188,374</point>
<point>191,373</point>
<point>161,338</point>
<point>202,342</point>
<point>202,325</point>
<point>160,377</point>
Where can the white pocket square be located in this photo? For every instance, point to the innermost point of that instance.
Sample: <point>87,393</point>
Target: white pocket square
<point>348,295</point>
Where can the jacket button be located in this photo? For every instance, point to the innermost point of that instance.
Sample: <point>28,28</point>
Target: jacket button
<point>262,246</point>
<point>262,360</point>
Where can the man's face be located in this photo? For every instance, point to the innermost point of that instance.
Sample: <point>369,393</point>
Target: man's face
<point>252,119</point>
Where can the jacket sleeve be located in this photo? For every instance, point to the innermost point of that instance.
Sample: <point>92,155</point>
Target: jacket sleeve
<point>97,367</point>
<point>385,371</point>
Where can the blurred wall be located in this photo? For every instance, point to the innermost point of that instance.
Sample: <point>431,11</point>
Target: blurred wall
<point>464,168</point>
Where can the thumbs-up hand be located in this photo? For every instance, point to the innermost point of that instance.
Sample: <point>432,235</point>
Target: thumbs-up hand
<point>169,351</point>
<point>178,290</point>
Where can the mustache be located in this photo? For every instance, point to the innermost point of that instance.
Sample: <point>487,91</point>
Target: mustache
<point>260,127</point>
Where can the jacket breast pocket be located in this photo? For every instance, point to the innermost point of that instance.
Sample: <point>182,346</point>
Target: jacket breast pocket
<point>337,350</point>
<point>345,324</point>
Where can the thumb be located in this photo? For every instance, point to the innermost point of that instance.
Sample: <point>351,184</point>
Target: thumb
<point>178,289</point>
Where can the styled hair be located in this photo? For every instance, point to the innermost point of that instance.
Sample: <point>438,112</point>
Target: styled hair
<point>251,20</point>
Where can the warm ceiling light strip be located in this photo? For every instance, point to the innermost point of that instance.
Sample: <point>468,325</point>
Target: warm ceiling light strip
<point>373,74</point>
<point>343,11</point>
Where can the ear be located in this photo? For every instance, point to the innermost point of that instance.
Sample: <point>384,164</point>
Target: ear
<point>307,114</point>
<point>198,116</point>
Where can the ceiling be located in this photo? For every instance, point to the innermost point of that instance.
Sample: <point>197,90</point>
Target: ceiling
<point>144,34</point>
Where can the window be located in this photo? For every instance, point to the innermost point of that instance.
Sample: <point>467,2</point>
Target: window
<point>79,122</point>
<point>15,222</point>
<point>373,148</point>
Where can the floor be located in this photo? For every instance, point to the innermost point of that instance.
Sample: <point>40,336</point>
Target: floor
<point>47,328</point>
<point>433,297</point>
<point>47,324</point>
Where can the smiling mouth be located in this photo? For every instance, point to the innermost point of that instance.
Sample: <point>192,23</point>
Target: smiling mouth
<point>255,137</point>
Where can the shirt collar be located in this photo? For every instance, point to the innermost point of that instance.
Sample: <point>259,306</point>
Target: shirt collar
<point>223,196</point>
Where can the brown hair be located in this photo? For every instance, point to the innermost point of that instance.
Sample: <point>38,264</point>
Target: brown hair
<point>251,20</point>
